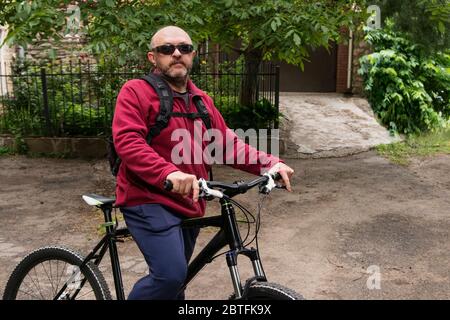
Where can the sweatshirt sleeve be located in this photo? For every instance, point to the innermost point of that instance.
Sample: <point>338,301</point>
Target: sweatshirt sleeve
<point>238,154</point>
<point>129,130</point>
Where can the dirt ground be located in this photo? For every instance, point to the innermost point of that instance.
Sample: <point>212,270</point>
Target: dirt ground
<point>346,218</point>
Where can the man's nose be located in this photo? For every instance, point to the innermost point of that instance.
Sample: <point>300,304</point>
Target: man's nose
<point>176,53</point>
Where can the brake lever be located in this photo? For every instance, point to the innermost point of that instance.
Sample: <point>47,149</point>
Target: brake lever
<point>205,192</point>
<point>208,192</point>
<point>277,177</point>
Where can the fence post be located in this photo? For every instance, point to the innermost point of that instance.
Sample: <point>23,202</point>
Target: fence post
<point>277,94</point>
<point>45,102</point>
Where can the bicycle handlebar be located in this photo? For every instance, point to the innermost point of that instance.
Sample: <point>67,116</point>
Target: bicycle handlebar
<point>265,182</point>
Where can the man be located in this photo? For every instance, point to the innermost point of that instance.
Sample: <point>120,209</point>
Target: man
<point>152,214</point>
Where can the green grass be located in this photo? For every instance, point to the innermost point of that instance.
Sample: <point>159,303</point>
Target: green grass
<point>417,146</point>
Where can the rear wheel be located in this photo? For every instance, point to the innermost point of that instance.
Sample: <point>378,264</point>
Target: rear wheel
<point>269,291</point>
<point>50,273</point>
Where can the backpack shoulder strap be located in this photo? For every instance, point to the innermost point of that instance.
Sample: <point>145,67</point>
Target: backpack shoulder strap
<point>202,111</point>
<point>204,115</point>
<point>166,103</point>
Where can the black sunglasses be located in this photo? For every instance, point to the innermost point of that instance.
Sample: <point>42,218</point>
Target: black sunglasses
<point>170,48</point>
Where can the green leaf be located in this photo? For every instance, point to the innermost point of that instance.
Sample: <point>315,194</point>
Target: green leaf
<point>228,3</point>
<point>110,3</point>
<point>289,33</point>
<point>273,25</point>
<point>441,27</point>
<point>26,8</point>
<point>297,40</point>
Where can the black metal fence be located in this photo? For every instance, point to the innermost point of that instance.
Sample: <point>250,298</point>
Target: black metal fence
<point>78,98</point>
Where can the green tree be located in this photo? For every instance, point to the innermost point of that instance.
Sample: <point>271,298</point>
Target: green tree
<point>283,30</point>
<point>121,29</point>
<point>257,29</point>
<point>424,22</point>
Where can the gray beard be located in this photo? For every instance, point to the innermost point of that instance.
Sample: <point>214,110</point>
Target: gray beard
<point>176,81</point>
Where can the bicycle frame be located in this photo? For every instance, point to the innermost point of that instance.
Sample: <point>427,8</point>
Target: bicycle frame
<point>227,235</point>
<point>108,241</point>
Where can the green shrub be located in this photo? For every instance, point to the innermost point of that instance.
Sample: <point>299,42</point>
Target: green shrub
<point>261,115</point>
<point>81,98</point>
<point>406,89</point>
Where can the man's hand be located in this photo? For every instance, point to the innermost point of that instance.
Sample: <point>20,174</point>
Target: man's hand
<point>285,172</point>
<point>184,184</point>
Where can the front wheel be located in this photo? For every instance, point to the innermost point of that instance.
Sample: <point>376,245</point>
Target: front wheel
<point>270,291</point>
<point>51,273</point>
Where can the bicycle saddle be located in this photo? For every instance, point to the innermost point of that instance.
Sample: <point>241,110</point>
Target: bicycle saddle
<point>97,200</point>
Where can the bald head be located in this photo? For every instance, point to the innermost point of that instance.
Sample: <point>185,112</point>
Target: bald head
<point>170,34</point>
<point>174,59</point>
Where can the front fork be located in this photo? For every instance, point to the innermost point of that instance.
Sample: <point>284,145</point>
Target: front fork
<point>253,255</point>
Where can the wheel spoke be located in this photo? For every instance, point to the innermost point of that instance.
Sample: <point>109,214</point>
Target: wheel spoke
<point>60,267</point>
<point>31,295</point>
<point>61,274</point>
<point>37,285</point>
<point>48,277</point>
<point>84,294</point>
<point>27,286</point>
<point>59,278</point>
<point>51,274</point>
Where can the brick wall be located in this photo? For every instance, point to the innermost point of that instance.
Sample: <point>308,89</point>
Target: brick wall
<point>341,68</point>
<point>359,48</point>
<point>70,48</point>
<point>342,64</point>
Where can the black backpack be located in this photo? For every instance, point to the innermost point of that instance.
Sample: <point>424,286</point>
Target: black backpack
<point>162,120</point>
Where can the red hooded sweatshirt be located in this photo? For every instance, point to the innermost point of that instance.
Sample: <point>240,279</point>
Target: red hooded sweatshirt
<point>145,167</point>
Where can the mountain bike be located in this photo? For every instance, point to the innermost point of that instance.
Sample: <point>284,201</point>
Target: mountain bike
<point>60,273</point>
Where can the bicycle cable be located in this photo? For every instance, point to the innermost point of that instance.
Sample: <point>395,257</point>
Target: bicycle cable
<point>255,220</point>
<point>262,197</point>
<point>246,213</point>
<point>260,205</point>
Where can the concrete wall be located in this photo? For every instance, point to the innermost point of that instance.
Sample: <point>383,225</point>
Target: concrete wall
<point>96,148</point>
<point>73,147</point>
<point>6,55</point>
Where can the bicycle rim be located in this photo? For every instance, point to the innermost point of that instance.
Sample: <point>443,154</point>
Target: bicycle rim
<point>55,273</point>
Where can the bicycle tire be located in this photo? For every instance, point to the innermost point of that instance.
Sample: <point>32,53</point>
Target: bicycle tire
<point>269,291</point>
<point>51,254</point>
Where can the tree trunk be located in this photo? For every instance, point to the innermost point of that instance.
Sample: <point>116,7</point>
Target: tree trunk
<point>249,85</point>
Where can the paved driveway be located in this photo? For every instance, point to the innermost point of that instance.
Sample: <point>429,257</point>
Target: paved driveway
<point>356,227</point>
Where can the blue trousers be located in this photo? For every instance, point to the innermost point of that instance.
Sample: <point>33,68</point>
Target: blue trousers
<point>166,247</point>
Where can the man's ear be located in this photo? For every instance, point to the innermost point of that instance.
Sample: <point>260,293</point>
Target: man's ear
<point>151,57</point>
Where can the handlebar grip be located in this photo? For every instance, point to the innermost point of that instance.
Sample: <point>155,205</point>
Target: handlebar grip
<point>168,185</point>
<point>276,176</point>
